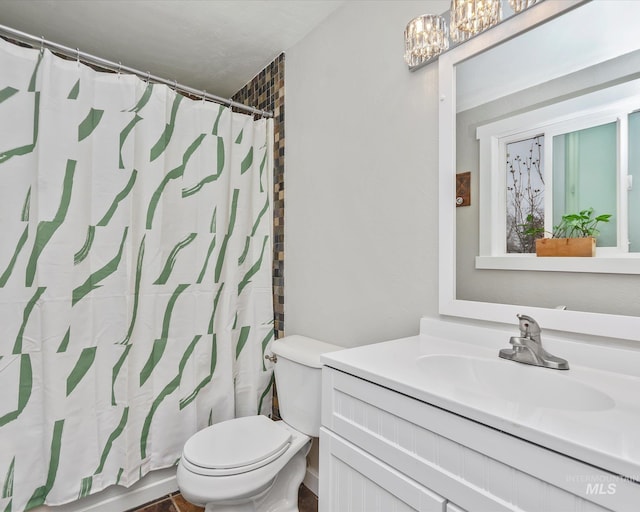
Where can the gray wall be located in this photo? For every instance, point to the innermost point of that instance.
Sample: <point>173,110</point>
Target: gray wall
<point>361,178</point>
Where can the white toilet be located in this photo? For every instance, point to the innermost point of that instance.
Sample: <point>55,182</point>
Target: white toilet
<point>254,464</point>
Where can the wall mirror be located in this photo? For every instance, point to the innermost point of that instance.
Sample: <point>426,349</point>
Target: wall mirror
<point>534,93</point>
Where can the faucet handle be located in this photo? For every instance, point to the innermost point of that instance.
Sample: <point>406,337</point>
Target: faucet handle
<point>529,328</point>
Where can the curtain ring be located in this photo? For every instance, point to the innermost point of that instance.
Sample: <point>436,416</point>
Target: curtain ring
<point>119,69</point>
<point>204,95</point>
<point>175,86</point>
<point>78,56</point>
<point>148,76</point>
<point>41,45</point>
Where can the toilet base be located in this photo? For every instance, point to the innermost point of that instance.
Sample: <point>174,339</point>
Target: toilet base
<point>281,496</point>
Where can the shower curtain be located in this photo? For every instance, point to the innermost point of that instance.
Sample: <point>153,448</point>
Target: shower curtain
<point>135,275</point>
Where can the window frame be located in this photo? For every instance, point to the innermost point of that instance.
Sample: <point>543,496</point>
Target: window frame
<point>613,104</point>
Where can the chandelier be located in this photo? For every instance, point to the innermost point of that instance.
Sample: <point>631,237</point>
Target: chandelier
<point>425,37</point>
<point>470,17</point>
<point>428,35</point>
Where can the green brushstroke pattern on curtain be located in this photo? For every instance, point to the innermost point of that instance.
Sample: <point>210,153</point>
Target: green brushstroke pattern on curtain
<point>119,303</point>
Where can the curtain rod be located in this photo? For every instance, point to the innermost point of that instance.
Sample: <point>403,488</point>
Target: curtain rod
<point>118,67</point>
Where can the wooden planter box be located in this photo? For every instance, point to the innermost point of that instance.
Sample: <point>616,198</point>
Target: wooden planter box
<point>566,246</point>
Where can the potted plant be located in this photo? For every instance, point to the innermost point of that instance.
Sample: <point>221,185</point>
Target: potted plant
<point>574,236</point>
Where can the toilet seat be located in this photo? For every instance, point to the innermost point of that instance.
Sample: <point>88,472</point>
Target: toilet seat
<point>235,446</point>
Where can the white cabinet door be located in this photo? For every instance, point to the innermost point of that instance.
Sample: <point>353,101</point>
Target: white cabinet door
<point>354,481</point>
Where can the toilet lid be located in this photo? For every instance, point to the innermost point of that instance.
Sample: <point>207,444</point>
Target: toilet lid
<point>237,445</point>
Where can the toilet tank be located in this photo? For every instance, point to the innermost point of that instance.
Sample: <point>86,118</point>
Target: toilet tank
<point>298,381</point>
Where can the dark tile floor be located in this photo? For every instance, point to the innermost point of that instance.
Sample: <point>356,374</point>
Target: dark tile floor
<point>307,502</point>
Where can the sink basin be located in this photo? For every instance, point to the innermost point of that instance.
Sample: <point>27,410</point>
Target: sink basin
<point>486,381</point>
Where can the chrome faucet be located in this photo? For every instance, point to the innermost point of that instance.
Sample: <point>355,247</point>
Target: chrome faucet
<point>527,348</point>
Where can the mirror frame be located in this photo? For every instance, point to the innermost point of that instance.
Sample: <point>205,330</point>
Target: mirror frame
<point>598,324</point>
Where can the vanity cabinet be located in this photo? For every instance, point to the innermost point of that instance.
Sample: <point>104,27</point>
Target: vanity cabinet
<point>358,481</point>
<point>384,451</point>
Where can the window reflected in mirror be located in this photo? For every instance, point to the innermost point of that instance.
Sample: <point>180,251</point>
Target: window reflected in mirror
<point>585,176</point>
<point>525,193</point>
<point>562,159</point>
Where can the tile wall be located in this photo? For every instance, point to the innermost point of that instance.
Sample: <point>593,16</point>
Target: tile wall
<point>266,92</point>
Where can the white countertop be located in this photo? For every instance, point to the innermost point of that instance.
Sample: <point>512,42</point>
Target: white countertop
<point>608,438</point>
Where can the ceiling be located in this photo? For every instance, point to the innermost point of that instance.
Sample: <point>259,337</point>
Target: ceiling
<point>212,45</point>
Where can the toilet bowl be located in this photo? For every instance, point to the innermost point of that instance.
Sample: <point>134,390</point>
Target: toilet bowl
<point>254,464</point>
<point>239,475</point>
